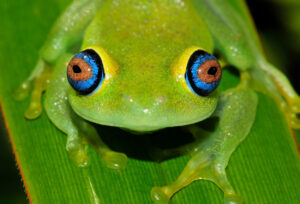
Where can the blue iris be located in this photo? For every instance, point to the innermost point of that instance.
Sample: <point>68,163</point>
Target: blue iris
<point>91,84</point>
<point>200,87</point>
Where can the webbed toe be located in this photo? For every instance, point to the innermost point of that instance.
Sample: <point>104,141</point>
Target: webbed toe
<point>115,160</point>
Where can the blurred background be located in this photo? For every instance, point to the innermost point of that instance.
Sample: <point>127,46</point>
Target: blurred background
<point>278,24</point>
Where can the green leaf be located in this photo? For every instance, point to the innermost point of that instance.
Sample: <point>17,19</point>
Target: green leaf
<point>264,169</point>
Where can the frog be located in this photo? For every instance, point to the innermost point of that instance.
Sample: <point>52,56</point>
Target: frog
<point>143,66</point>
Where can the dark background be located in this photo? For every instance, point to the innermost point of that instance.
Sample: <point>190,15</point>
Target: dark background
<point>282,46</point>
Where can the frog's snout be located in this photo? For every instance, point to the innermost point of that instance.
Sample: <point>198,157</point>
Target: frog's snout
<point>145,105</point>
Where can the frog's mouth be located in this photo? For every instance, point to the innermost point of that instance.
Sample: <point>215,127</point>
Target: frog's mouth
<point>152,146</point>
<point>141,125</point>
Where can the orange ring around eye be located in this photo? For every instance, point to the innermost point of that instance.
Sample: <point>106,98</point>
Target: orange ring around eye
<point>83,72</point>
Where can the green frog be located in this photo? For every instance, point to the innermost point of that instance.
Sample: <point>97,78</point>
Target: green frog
<point>145,65</point>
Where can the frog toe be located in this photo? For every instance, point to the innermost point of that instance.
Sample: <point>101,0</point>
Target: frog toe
<point>33,112</point>
<point>294,121</point>
<point>77,154</point>
<point>80,158</point>
<point>232,199</point>
<point>21,92</point>
<point>295,105</point>
<point>115,160</point>
<point>158,196</point>
<point>292,117</point>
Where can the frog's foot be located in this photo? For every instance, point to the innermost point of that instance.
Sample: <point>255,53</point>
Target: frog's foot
<point>278,87</point>
<point>37,82</point>
<point>236,112</point>
<point>199,167</point>
<point>77,151</point>
<point>290,103</point>
<point>111,159</point>
<point>291,107</point>
<point>114,160</point>
<point>77,147</point>
<point>291,116</point>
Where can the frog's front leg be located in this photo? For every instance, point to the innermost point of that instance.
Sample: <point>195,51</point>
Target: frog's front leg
<point>79,131</point>
<point>66,32</point>
<point>38,79</point>
<point>236,110</point>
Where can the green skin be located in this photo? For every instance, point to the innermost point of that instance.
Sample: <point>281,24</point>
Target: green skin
<point>146,45</point>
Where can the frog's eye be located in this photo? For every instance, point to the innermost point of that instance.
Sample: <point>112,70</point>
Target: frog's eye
<point>85,72</point>
<point>203,73</point>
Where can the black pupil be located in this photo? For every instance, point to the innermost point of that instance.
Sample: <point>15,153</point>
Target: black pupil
<point>76,69</point>
<point>212,71</point>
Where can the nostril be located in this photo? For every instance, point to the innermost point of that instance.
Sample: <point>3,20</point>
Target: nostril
<point>160,99</point>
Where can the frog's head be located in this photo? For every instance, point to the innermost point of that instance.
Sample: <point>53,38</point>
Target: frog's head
<point>145,76</point>
<point>147,97</point>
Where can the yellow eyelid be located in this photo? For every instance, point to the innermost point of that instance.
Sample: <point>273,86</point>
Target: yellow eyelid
<point>110,65</point>
<point>178,68</point>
